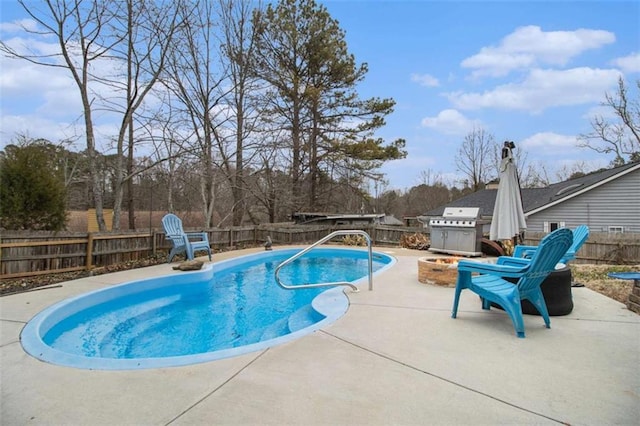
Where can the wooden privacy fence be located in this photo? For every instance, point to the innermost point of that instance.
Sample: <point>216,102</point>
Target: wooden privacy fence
<point>25,254</point>
<point>602,248</point>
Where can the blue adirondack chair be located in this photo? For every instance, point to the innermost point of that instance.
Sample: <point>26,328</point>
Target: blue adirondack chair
<point>580,236</point>
<point>184,242</point>
<point>491,287</point>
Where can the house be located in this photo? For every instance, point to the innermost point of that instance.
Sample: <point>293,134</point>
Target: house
<point>345,219</point>
<point>606,201</point>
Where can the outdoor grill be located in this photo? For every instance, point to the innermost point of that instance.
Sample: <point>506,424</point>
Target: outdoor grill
<point>458,231</point>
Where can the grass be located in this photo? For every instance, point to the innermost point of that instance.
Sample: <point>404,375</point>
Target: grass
<point>595,277</point>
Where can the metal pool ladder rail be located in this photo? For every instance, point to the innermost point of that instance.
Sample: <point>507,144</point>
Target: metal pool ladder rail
<point>317,243</point>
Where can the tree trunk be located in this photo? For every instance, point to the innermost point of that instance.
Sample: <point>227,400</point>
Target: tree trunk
<point>238,184</point>
<point>313,160</point>
<point>130,189</point>
<point>296,163</point>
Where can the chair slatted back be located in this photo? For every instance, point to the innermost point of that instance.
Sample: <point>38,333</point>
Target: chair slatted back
<point>580,236</point>
<point>172,225</point>
<point>551,249</point>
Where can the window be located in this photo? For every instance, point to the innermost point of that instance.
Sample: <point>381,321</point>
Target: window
<point>552,226</point>
<point>616,229</point>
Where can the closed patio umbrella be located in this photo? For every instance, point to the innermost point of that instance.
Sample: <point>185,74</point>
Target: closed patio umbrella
<point>508,216</point>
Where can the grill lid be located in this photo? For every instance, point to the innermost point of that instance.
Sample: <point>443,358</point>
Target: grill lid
<point>461,212</point>
<point>465,217</point>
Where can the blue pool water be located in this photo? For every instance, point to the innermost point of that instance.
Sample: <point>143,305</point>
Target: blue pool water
<point>229,308</point>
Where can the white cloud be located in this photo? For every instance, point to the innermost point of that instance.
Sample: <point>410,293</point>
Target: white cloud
<point>36,47</point>
<point>543,89</point>
<point>629,63</point>
<point>34,126</point>
<point>425,80</point>
<point>497,64</point>
<point>599,111</point>
<point>530,46</point>
<point>61,104</point>
<point>549,143</point>
<point>18,26</point>
<point>49,98</point>
<point>451,122</point>
<point>22,78</point>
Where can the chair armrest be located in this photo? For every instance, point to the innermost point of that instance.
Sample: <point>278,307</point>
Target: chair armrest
<point>492,269</point>
<point>523,251</point>
<point>512,261</point>
<point>202,235</point>
<point>568,256</point>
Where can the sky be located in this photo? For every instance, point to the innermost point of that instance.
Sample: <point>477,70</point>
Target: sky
<point>534,72</point>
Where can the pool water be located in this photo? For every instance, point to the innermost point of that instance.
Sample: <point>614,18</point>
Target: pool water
<point>238,305</point>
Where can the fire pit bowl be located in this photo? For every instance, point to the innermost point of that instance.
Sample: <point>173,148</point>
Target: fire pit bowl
<point>438,271</point>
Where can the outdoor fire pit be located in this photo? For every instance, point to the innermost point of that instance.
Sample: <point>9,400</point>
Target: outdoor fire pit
<point>438,271</point>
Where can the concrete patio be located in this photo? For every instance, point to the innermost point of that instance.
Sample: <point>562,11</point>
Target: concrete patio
<point>396,357</point>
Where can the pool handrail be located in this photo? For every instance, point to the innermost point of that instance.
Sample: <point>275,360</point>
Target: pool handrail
<point>317,243</point>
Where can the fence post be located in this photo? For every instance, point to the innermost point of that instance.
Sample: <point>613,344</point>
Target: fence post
<point>89,251</point>
<point>154,248</point>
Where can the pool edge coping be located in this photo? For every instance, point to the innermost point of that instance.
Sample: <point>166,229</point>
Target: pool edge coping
<point>332,304</point>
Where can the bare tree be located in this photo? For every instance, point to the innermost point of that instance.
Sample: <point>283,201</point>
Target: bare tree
<point>429,177</point>
<point>390,202</point>
<point>270,183</point>
<point>91,34</point>
<point>196,78</point>
<point>575,170</point>
<point>238,51</point>
<point>423,198</point>
<point>143,31</point>
<point>529,176</point>
<point>620,136</point>
<point>475,158</point>
<point>80,28</point>
<point>167,141</point>
<point>534,175</point>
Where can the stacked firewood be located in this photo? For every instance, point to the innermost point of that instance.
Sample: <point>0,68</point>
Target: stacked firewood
<point>415,241</point>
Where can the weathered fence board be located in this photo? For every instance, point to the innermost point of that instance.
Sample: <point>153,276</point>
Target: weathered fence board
<point>34,253</point>
<point>602,248</point>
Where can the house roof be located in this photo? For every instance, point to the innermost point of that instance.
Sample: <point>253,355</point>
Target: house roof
<point>537,199</point>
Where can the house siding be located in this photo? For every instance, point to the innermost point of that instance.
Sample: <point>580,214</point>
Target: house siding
<point>615,203</point>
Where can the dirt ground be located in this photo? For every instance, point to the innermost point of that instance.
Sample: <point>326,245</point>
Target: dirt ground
<point>19,285</point>
<point>591,276</point>
<point>595,277</point>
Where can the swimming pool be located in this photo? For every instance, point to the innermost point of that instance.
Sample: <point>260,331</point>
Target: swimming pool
<point>228,308</point>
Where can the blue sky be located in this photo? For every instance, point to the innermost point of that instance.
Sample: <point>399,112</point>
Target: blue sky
<point>533,72</point>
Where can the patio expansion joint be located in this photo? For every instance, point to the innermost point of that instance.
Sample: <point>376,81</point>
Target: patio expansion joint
<point>12,342</point>
<point>438,377</point>
<point>620,321</point>
<point>220,386</point>
<point>13,321</point>
<point>418,308</point>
